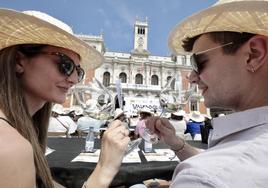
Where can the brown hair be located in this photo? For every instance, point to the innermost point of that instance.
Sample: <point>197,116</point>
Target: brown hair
<point>13,105</point>
<point>223,37</point>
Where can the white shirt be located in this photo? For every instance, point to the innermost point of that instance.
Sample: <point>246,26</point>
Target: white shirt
<point>55,124</point>
<point>237,157</point>
<point>83,123</point>
<point>179,126</point>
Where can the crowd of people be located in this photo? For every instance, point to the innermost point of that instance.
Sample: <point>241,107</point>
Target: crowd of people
<point>74,122</point>
<point>228,43</point>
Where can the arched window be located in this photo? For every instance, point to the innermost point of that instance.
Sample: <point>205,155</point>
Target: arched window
<point>106,79</point>
<point>138,79</point>
<point>154,80</point>
<point>123,77</point>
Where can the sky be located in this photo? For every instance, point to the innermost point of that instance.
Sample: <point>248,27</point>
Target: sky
<point>115,18</point>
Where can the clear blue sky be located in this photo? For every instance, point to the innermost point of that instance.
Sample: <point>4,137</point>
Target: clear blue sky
<point>115,18</point>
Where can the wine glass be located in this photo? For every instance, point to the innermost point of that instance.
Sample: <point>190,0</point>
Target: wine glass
<point>100,104</point>
<point>172,97</point>
<point>146,135</point>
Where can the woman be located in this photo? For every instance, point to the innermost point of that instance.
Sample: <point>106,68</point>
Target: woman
<point>39,62</point>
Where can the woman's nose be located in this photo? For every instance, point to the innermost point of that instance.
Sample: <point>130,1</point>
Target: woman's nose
<point>73,78</point>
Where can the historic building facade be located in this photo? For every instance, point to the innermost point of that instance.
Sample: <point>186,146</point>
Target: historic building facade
<point>142,75</point>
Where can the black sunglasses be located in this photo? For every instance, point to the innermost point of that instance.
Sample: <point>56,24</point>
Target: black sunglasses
<point>66,65</point>
<point>196,64</point>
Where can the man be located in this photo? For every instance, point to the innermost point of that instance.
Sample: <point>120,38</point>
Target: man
<point>229,45</point>
<point>194,125</point>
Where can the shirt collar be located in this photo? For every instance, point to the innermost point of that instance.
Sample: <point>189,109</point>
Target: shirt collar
<point>235,122</point>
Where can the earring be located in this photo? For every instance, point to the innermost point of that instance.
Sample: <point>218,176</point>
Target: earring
<point>252,69</point>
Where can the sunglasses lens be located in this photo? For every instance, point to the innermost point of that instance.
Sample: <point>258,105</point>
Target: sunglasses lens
<point>66,65</point>
<point>80,73</point>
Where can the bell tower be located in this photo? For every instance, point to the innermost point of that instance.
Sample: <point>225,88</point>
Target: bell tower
<point>140,36</point>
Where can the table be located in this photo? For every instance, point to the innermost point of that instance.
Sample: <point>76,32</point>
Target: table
<point>73,174</point>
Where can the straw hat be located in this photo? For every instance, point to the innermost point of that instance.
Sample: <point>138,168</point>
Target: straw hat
<point>146,110</point>
<point>226,15</point>
<point>33,27</point>
<point>118,112</point>
<point>179,113</point>
<point>196,116</point>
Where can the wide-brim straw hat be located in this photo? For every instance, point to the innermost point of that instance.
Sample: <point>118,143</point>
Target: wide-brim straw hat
<point>196,116</point>
<point>249,16</point>
<point>33,27</point>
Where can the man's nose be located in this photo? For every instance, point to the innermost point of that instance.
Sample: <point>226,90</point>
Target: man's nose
<point>193,77</point>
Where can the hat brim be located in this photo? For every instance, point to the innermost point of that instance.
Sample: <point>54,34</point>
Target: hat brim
<point>19,28</point>
<point>236,16</point>
<point>118,115</point>
<point>145,111</point>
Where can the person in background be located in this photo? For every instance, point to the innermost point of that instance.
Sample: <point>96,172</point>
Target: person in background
<point>84,122</point>
<point>36,71</point>
<point>206,128</point>
<point>178,122</point>
<point>196,120</point>
<point>228,43</point>
<point>120,115</point>
<point>60,122</point>
<point>144,113</point>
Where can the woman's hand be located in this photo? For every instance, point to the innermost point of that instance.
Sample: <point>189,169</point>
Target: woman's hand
<point>113,145</point>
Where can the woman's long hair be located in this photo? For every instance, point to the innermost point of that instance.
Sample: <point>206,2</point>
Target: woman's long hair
<point>13,104</point>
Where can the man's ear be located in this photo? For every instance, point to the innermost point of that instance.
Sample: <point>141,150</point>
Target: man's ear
<point>20,58</point>
<point>258,52</point>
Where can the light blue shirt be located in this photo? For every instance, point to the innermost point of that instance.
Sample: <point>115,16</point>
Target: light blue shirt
<point>237,154</point>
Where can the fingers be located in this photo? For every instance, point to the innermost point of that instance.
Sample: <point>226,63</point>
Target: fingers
<point>151,122</point>
<point>116,133</point>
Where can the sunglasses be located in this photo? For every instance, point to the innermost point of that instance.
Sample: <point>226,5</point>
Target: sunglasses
<point>66,65</point>
<point>198,65</point>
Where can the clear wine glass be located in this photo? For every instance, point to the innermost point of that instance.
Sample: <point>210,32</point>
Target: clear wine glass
<point>101,104</point>
<point>173,97</point>
<point>146,136</point>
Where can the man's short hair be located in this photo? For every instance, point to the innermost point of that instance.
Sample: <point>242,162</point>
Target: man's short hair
<point>222,38</point>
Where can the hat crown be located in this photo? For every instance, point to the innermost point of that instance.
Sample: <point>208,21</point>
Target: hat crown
<point>230,1</point>
<point>47,18</point>
<point>197,116</point>
<point>146,110</point>
<point>118,112</point>
<point>179,113</point>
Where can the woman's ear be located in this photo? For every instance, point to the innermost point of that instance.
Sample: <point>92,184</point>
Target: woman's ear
<point>258,53</point>
<point>20,57</point>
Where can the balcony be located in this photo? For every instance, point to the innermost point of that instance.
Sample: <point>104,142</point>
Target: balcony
<point>138,87</point>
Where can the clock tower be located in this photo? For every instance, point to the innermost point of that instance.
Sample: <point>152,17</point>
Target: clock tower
<point>140,36</point>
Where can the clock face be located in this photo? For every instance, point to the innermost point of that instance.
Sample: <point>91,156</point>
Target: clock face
<point>140,40</point>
